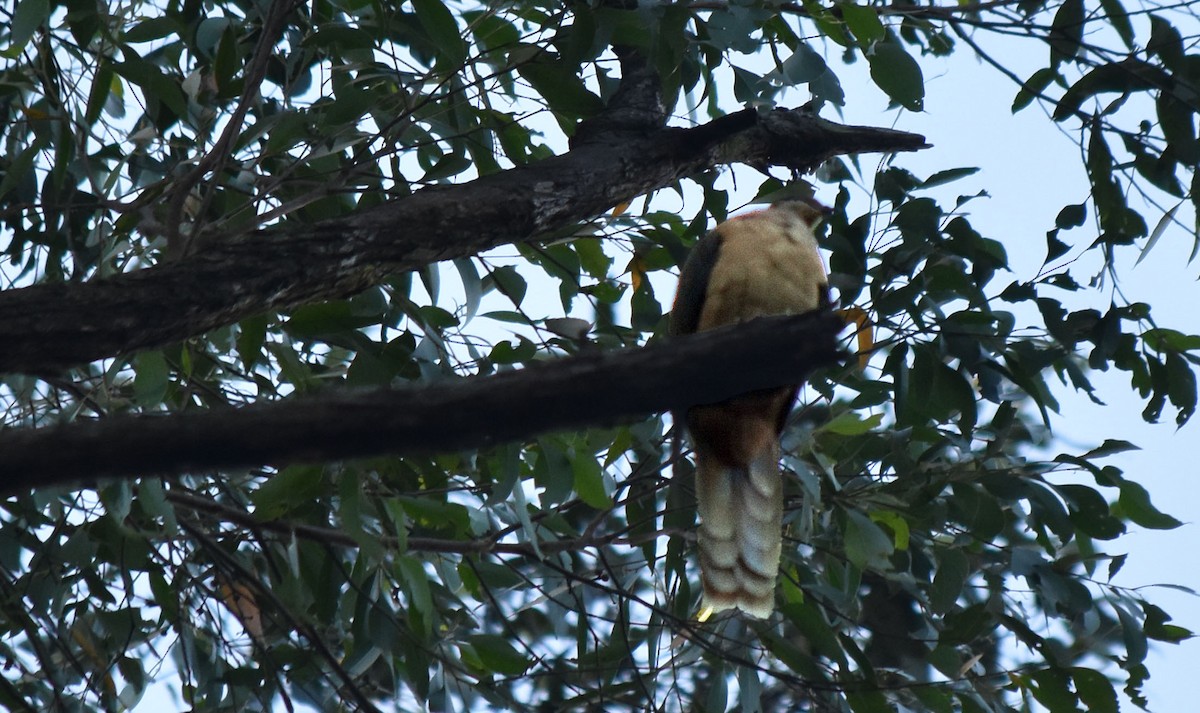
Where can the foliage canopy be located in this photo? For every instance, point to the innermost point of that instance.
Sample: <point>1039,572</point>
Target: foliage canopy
<point>942,552</point>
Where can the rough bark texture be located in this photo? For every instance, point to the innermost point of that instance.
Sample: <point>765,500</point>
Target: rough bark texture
<point>576,392</point>
<point>45,328</point>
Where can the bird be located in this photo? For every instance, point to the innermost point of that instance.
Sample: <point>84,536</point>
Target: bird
<point>759,264</point>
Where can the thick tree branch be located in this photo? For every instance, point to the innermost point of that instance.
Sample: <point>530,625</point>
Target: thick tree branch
<point>48,327</point>
<point>571,393</point>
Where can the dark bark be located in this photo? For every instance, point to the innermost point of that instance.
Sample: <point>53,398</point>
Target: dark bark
<point>572,393</point>
<point>45,328</point>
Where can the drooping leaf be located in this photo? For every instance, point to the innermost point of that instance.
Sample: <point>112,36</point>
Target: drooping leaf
<point>897,74</point>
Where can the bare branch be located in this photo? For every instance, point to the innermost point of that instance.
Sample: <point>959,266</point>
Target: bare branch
<point>48,327</point>
<point>572,393</point>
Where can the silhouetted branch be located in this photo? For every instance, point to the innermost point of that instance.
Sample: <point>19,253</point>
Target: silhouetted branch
<point>597,389</point>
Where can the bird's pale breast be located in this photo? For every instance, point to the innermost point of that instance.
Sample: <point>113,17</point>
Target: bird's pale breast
<point>762,269</point>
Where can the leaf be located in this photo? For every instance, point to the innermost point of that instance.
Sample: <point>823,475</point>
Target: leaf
<point>1135,504</point>
<point>1162,339</point>
<point>1126,76</point>
<point>472,286</point>
<point>118,499</point>
<point>411,575</point>
<point>897,74</point>
<point>868,701</point>
<point>897,524</point>
<point>327,318</point>
<point>1161,227</point>
<point>1033,88</point>
<point>952,572</point>
<point>291,488</point>
<point>439,23</point>
<point>553,471</point>
<point>508,282</point>
<point>1118,17</point>
<point>151,378</point>
<point>153,83</point>
<point>491,31</point>
<point>1136,646</point>
<point>589,480</point>
<point>18,170</point>
<point>803,66</point>
<point>1167,44</point>
<point>1052,690</point>
<point>1071,216</point>
<point>1111,446</point>
<point>28,16</point>
<point>1066,31</point>
<point>850,423</point>
<point>866,544</point>
<point>1093,689</point>
<point>863,22</point>
<point>497,655</point>
<point>252,334</point>
<point>948,176</point>
<point>556,82</point>
<point>1181,387</point>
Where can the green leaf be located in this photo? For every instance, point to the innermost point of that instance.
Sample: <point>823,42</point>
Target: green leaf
<point>897,524</point>
<point>1111,446</point>
<point>802,67</point>
<point>553,471</point>
<point>151,378</point>
<point>439,23</point>
<point>472,286</point>
<point>412,577</point>
<point>1095,690</point>
<point>496,654</point>
<point>850,423</point>
<point>508,282</point>
<point>26,19</point>
<point>863,22</point>
<point>1181,387</point>
<point>948,176</point>
<point>868,701</point>
<point>966,625</point>
<point>1066,31</point>
<point>292,488</point>
<point>556,82</point>
<point>1126,76</point>
<point>1135,504</point>
<point>1118,17</point>
<point>327,318</point>
<point>1052,691</point>
<point>866,544</point>
<point>491,31</point>
<point>978,509</point>
<point>1033,87</point>
<point>19,170</point>
<point>817,632</point>
<point>118,499</point>
<point>153,83</point>
<point>1162,339</point>
<point>151,29</point>
<point>1071,216</point>
<point>897,74</point>
<point>1161,227</point>
<point>1136,646</point>
<point>589,480</point>
<point>953,569</point>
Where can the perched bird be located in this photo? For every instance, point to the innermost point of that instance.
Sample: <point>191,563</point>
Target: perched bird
<point>763,263</point>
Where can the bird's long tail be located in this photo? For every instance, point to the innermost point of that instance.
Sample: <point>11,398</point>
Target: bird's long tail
<point>741,515</point>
